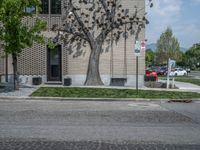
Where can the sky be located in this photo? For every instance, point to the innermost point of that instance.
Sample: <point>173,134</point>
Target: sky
<point>182,16</point>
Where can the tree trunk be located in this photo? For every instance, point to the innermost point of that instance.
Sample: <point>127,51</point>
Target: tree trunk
<point>15,81</point>
<point>93,75</point>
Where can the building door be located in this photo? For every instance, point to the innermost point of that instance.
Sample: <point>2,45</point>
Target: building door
<point>54,66</point>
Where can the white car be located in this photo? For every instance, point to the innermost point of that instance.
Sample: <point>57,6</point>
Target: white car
<point>178,72</point>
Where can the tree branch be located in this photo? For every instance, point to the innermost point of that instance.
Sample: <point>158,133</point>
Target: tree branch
<point>80,22</point>
<point>105,7</point>
<point>76,34</point>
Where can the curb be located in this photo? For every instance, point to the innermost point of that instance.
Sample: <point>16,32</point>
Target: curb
<point>96,99</point>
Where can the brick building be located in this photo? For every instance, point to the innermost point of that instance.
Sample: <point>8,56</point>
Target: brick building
<point>53,66</point>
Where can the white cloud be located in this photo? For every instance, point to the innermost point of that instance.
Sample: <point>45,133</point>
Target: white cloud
<point>188,34</point>
<point>164,13</point>
<point>173,13</point>
<point>166,8</point>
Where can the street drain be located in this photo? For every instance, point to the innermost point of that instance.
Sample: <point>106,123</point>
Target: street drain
<point>180,101</point>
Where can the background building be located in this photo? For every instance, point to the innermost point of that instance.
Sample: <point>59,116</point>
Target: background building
<point>55,65</point>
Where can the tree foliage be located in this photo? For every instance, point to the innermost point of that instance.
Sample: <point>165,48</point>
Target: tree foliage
<point>1,3</point>
<point>13,33</point>
<point>183,61</point>
<point>149,57</point>
<point>193,56</point>
<point>94,23</point>
<point>167,47</point>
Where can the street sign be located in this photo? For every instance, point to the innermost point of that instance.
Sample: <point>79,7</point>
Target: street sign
<point>172,63</point>
<point>137,48</point>
<point>143,45</point>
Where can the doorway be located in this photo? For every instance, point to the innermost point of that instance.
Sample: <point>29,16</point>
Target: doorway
<point>54,65</point>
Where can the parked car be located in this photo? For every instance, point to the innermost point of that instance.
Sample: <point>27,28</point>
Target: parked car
<point>178,72</point>
<point>155,69</point>
<point>162,71</point>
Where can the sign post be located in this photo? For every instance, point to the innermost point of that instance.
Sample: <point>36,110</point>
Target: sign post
<point>168,72</point>
<point>171,63</point>
<point>137,53</point>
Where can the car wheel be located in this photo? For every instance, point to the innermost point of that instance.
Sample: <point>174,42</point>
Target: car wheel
<point>185,74</point>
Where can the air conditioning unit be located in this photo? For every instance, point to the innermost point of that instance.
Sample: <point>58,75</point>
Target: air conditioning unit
<point>67,81</point>
<point>36,80</point>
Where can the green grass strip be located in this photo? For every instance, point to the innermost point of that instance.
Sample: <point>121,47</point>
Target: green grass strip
<point>72,92</point>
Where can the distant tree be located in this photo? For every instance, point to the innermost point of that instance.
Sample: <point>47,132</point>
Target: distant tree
<point>183,61</point>
<point>14,34</point>
<point>95,22</point>
<point>193,56</point>
<point>149,57</point>
<point>167,47</point>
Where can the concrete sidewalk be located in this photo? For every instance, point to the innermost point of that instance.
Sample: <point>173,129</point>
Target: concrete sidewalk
<point>183,86</point>
<point>188,86</point>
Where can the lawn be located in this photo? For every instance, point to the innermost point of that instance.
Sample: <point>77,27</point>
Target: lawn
<point>72,92</point>
<point>187,79</point>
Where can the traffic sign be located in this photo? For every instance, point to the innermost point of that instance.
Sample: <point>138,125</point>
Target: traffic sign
<point>143,45</point>
<point>137,48</point>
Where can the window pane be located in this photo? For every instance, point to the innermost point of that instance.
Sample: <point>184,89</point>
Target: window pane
<point>55,6</point>
<point>45,6</point>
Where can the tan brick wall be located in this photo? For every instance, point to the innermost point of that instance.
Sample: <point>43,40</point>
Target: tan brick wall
<point>33,61</point>
<point>79,65</point>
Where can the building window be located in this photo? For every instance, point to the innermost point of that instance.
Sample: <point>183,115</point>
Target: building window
<point>55,6</point>
<point>45,6</point>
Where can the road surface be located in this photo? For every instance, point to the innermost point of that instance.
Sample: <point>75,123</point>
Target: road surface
<point>195,74</point>
<point>87,125</point>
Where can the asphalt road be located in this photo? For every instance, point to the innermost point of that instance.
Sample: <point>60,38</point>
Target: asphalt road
<point>195,74</point>
<point>84,125</point>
